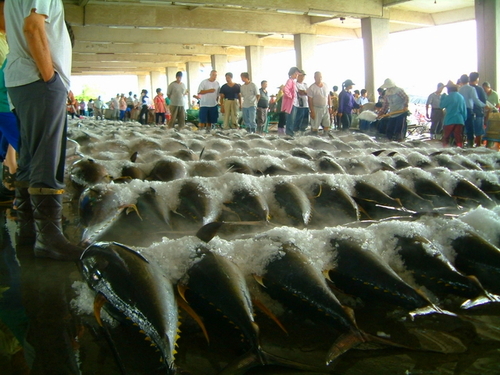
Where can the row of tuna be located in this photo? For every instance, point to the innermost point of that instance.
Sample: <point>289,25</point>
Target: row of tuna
<point>369,245</point>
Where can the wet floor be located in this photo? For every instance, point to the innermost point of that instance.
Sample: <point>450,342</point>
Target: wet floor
<point>40,330</point>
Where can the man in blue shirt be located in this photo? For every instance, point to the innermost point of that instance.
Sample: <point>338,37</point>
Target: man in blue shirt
<point>471,99</point>
<point>478,111</point>
<point>456,115</point>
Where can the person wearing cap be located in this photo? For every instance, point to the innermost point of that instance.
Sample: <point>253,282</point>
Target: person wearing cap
<point>346,104</point>
<point>395,109</point>
<point>471,99</point>
<point>289,95</point>
<point>437,114</point>
<point>320,103</point>
<point>301,105</point>
<point>176,92</point>
<point>455,115</point>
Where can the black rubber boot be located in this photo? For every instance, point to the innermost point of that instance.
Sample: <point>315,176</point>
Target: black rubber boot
<point>47,213</point>
<point>25,234</point>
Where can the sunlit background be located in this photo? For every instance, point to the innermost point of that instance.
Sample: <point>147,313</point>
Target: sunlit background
<point>418,60</point>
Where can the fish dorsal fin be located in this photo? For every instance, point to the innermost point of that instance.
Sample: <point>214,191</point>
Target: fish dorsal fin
<point>269,313</point>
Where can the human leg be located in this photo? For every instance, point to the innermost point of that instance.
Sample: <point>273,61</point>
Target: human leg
<point>458,134</point>
<point>478,130</point>
<point>227,114</point>
<point>173,110</point>
<point>252,124</point>
<point>346,120</point>
<point>181,116</point>
<point>325,120</point>
<point>447,131</point>
<point>290,120</point>
<point>469,128</point>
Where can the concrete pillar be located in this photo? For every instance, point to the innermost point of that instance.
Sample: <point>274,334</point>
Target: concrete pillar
<point>488,41</point>
<point>193,79</point>
<point>254,55</point>
<point>219,63</point>
<point>170,72</point>
<point>144,82</point>
<point>158,80</point>
<point>305,45</point>
<point>375,33</point>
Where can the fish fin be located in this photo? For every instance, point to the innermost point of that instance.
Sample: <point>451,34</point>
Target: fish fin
<point>377,153</point>
<point>350,314</point>
<point>392,153</point>
<point>344,343</point>
<point>99,302</point>
<point>479,301</point>
<point>269,313</point>
<point>181,301</point>
<point>326,274</point>
<point>430,309</point>
<point>201,153</point>
<point>259,279</point>
<point>130,208</point>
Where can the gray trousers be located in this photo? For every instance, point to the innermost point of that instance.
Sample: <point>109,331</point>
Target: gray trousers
<point>41,108</point>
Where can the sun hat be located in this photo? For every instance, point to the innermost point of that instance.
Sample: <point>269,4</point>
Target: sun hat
<point>348,82</point>
<point>388,83</point>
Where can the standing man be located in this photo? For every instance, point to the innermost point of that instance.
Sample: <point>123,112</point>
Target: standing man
<point>470,95</point>
<point>395,109</point>
<point>37,77</point>
<point>176,92</point>
<point>456,115</point>
<point>301,104</point>
<point>437,114</point>
<point>98,104</point>
<point>208,91</point>
<point>250,95</point>
<point>478,110</point>
<point>320,104</point>
<point>130,105</point>
<point>346,105</point>
<point>491,95</point>
<point>262,107</point>
<point>229,95</point>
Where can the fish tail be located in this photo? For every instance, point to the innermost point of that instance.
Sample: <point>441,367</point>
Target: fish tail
<point>344,343</point>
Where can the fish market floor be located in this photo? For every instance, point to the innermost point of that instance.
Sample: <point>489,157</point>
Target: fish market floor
<point>39,329</point>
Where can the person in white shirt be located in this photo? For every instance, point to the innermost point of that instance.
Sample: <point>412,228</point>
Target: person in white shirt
<point>37,76</point>
<point>320,103</point>
<point>301,105</point>
<point>176,92</point>
<point>250,95</point>
<point>208,91</point>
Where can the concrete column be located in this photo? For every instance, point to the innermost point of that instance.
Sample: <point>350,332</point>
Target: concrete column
<point>219,63</point>
<point>170,72</point>
<point>375,33</point>
<point>144,82</point>
<point>158,80</point>
<point>254,55</point>
<point>488,41</point>
<point>193,79</point>
<point>305,46</point>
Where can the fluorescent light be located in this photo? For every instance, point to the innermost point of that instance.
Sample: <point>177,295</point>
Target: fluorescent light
<point>233,32</point>
<point>319,13</point>
<point>188,4</point>
<point>159,2</point>
<point>121,27</point>
<point>150,28</point>
<point>290,11</point>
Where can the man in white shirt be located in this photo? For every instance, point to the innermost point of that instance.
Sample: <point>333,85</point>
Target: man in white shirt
<point>301,105</point>
<point>176,92</point>
<point>208,91</point>
<point>37,77</point>
<point>320,103</point>
<point>250,95</point>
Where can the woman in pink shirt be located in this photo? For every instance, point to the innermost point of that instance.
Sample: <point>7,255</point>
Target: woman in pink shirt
<point>160,107</point>
<point>289,95</point>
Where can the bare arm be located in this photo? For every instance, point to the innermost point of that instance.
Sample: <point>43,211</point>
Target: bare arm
<point>36,37</point>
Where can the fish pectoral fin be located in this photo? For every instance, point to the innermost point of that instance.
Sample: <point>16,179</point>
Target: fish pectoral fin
<point>131,208</point>
<point>99,302</point>
<point>269,313</point>
<point>259,279</point>
<point>181,301</point>
<point>343,343</point>
<point>350,314</point>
